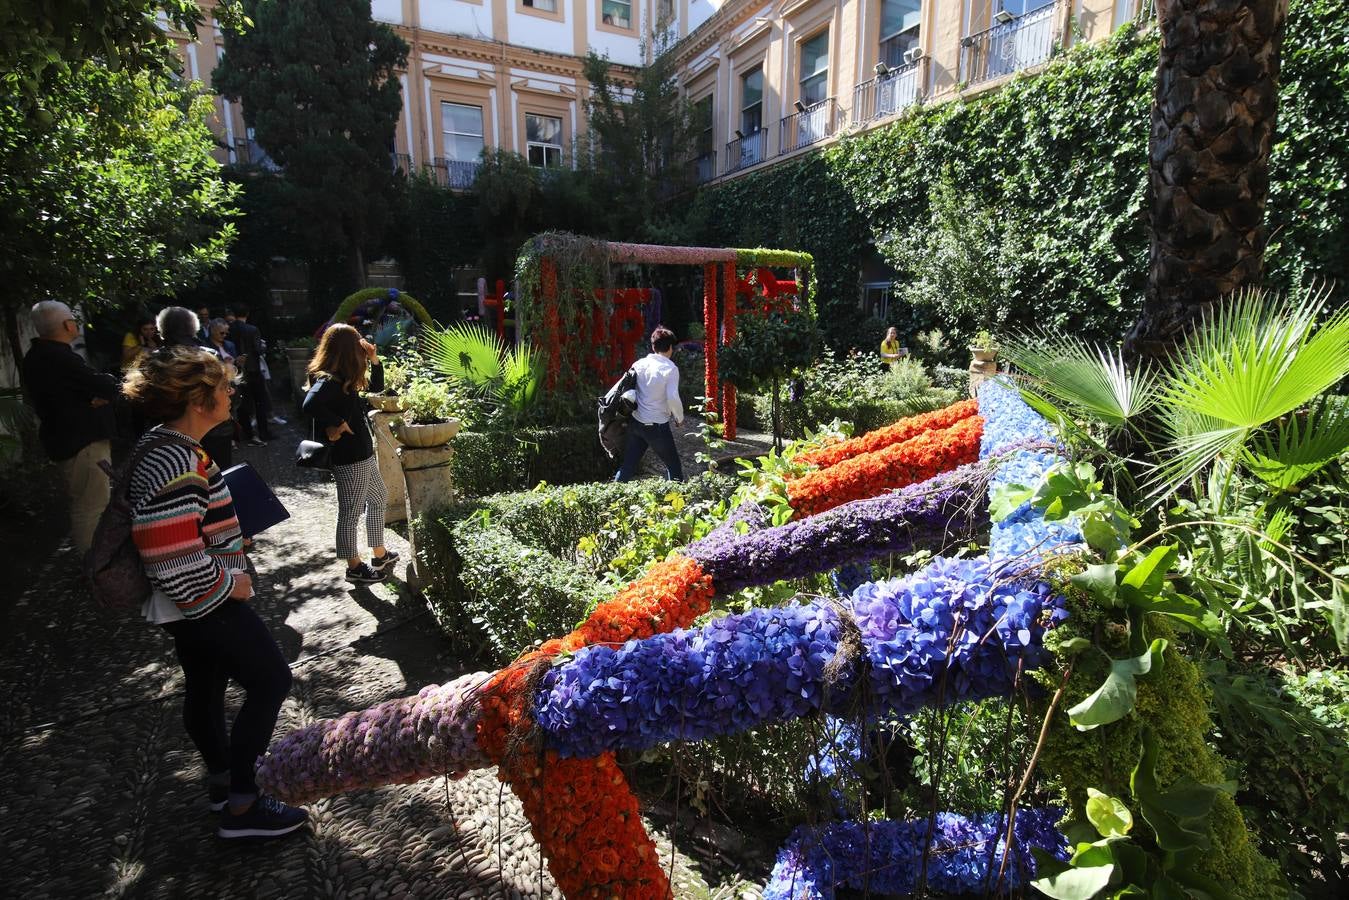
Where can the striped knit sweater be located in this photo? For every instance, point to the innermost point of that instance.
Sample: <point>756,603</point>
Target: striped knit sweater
<point>184,525</point>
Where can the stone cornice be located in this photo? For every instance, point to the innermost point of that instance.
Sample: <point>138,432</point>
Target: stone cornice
<point>717,26</point>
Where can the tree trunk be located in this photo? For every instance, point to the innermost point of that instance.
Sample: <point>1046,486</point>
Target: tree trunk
<point>1212,125</point>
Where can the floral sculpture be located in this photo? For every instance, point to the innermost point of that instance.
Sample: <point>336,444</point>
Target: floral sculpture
<point>634,674</point>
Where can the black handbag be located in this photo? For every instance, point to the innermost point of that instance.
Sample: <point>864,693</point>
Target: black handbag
<point>312,454</point>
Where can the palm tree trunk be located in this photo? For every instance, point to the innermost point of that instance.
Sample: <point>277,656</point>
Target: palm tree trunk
<point>1212,125</point>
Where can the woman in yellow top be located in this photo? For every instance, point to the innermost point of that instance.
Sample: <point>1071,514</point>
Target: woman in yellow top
<point>891,352</point>
<point>143,339</point>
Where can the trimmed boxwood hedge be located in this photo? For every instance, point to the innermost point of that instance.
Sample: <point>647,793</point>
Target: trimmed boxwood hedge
<point>502,571</point>
<point>495,462</point>
<point>755,412</point>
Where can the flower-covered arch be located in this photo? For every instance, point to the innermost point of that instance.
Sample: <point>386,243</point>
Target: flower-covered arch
<point>566,291</point>
<point>378,298</point>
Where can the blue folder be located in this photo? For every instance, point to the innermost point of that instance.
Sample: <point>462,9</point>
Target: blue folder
<point>254,503</point>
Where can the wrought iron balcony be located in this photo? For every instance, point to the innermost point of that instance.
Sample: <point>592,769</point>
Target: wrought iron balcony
<point>1011,46</point>
<point>888,94</point>
<point>455,174</point>
<point>401,162</point>
<point>808,125</point>
<point>250,153</point>
<point>704,167</point>
<point>746,151</point>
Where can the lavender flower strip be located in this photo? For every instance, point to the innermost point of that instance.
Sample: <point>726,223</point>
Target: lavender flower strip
<point>887,857</point>
<point>955,630</point>
<point>399,741</point>
<point>946,506</point>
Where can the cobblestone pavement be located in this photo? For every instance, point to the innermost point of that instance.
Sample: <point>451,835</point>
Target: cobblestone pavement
<point>101,793</point>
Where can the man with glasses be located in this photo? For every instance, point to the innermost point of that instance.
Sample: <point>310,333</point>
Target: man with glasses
<point>74,404</point>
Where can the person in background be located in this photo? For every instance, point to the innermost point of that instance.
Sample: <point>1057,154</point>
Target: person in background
<point>179,326</point>
<point>218,340</point>
<point>344,365</point>
<point>658,402</point>
<point>255,402</point>
<point>74,405</point>
<point>139,341</point>
<point>204,317</point>
<point>891,352</point>
<point>187,533</point>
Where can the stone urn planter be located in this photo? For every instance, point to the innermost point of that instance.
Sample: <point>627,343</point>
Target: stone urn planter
<point>983,364</point>
<point>389,403</point>
<point>436,434</point>
<point>297,362</point>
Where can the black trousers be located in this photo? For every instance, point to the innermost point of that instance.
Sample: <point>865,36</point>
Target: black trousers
<point>230,642</point>
<point>255,402</point>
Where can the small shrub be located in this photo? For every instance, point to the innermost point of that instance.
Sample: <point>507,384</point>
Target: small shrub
<point>427,401</point>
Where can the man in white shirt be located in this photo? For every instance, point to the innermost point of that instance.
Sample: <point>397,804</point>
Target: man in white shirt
<point>657,402</point>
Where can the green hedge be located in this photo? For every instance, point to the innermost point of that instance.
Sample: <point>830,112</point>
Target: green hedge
<point>1067,149</point>
<point>503,571</point>
<point>495,462</point>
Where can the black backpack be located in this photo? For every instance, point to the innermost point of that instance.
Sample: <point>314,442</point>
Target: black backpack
<point>113,567</point>
<point>615,410</point>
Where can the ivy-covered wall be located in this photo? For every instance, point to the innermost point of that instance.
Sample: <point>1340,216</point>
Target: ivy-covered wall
<point>1066,151</point>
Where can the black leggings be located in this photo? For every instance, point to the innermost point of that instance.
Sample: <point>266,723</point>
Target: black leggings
<point>230,642</point>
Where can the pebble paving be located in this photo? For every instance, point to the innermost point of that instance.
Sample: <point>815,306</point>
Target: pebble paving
<point>102,794</point>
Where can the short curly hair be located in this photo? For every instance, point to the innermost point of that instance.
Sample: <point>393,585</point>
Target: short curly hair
<point>166,382</point>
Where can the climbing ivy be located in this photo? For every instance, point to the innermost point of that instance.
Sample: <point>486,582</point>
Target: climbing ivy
<point>1065,152</point>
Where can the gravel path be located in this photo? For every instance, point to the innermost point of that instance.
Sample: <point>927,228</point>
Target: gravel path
<point>101,793</point>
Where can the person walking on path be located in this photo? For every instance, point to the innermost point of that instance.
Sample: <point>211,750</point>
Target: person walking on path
<point>74,405</point>
<point>255,402</point>
<point>344,365</point>
<point>657,402</point>
<point>185,528</point>
<point>179,327</point>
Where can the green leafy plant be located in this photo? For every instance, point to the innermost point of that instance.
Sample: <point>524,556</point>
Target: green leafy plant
<point>427,402</point>
<point>766,350</point>
<point>471,355</point>
<point>1112,862</point>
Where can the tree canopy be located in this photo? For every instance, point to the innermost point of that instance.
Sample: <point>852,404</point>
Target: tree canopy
<point>318,83</point>
<point>112,197</point>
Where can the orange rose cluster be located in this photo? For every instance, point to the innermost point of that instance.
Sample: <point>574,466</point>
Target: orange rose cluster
<point>899,465</point>
<point>897,433</point>
<point>582,811</point>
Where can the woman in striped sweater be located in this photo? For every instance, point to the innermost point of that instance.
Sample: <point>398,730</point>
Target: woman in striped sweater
<point>189,540</point>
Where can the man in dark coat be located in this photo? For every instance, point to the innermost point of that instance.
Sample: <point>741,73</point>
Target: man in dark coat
<point>255,402</point>
<point>74,404</point>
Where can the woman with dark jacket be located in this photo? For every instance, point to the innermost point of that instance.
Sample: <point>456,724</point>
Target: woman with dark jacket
<point>344,365</point>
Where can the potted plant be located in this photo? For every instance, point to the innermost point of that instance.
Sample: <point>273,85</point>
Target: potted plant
<point>395,382</point>
<point>984,348</point>
<point>427,418</point>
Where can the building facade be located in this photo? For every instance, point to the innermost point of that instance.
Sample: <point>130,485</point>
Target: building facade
<point>768,78</point>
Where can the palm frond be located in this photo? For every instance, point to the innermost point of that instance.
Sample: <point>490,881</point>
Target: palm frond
<point>1256,358</point>
<point>1299,446</point>
<point>466,351</point>
<point>521,372</point>
<point>1091,381</point>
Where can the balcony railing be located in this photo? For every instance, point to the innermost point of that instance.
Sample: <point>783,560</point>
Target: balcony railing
<point>455,174</point>
<point>250,153</point>
<point>401,162</point>
<point>805,127</point>
<point>887,94</point>
<point>1011,46</point>
<point>746,151</point>
<point>704,167</point>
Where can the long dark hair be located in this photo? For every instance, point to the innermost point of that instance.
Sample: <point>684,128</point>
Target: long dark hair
<point>341,357</point>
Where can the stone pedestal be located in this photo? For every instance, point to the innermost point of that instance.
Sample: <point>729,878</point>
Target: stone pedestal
<point>390,469</point>
<point>429,485</point>
<point>980,371</point>
<point>297,360</point>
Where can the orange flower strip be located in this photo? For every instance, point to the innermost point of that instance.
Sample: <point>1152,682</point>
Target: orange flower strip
<point>897,433</point>
<point>899,465</point>
<point>581,811</point>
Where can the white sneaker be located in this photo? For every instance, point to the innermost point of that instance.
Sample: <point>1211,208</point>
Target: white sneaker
<point>277,420</point>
